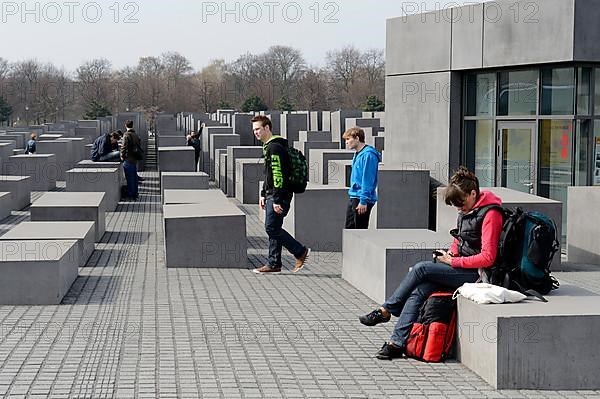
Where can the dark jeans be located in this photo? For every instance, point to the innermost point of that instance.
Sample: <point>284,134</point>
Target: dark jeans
<point>353,219</point>
<point>132,178</point>
<point>420,282</point>
<point>278,237</point>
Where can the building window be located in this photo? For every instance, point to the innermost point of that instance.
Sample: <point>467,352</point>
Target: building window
<point>480,147</point>
<point>596,152</point>
<point>518,93</point>
<point>558,91</point>
<point>555,172</point>
<point>480,94</point>
<point>582,152</point>
<point>584,86</point>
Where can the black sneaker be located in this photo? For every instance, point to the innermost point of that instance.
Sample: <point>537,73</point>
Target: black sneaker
<point>374,318</point>
<point>389,352</point>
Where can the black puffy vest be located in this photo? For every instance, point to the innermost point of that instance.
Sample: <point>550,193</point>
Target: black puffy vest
<point>468,231</point>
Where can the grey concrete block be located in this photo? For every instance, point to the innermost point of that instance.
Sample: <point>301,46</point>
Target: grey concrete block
<point>217,228</point>
<point>177,197</point>
<point>249,172</point>
<point>176,159</point>
<point>89,134</point>
<point>223,172</point>
<point>533,345</point>
<point>338,124</point>
<point>6,204</point>
<point>63,155</point>
<point>171,141</point>
<point>183,181</point>
<point>89,164</point>
<point>242,126</point>
<point>234,153</point>
<point>82,232</point>
<point>583,225</point>
<point>307,146</point>
<point>6,151</point>
<point>205,138</point>
<point>364,123</point>
<point>339,173</point>
<point>292,124</point>
<point>219,142</point>
<point>88,151</point>
<point>376,261</point>
<point>314,135</point>
<point>64,206</point>
<point>19,188</point>
<point>275,117</point>
<point>403,199</point>
<point>37,272</point>
<point>308,211</point>
<point>446,215</point>
<point>319,164</point>
<point>218,164</point>
<point>427,34</point>
<point>50,137</point>
<point>41,168</point>
<point>316,121</point>
<point>96,180</point>
<point>17,138</point>
<point>77,150</point>
<point>377,142</point>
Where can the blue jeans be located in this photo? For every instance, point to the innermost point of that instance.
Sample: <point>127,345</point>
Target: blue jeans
<point>278,237</point>
<point>130,170</point>
<point>420,282</point>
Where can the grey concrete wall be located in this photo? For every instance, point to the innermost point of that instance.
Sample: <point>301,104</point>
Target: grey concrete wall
<point>218,142</point>
<point>242,126</point>
<point>587,31</point>
<point>291,124</point>
<point>543,32</point>
<point>233,153</point>
<point>583,225</point>
<point>418,43</point>
<point>467,31</point>
<point>206,133</point>
<point>19,188</point>
<point>422,109</point>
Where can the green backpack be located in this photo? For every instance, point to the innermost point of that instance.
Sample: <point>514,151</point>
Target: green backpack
<point>298,178</point>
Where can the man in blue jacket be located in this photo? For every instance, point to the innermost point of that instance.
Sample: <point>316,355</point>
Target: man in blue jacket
<point>363,181</point>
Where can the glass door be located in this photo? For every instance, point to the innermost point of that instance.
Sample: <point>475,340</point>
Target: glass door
<point>516,156</point>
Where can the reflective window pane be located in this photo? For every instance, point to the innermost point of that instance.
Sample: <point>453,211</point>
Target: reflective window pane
<point>558,91</point>
<point>480,146</point>
<point>555,161</point>
<point>480,94</point>
<point>518,93</point>
<point>597,92</point>
<point>582,152</point>
<point>584,76</point>
<point>596,168</point>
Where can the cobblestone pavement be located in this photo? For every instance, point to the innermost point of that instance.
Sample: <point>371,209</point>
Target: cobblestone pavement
<point>131,328</point>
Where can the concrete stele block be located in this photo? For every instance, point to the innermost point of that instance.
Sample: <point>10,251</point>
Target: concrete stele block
<point>249,172</point>
<point>183,181</point>
<point>308,211</point>
<point>176,159</point>
<point>41,168</point>
<point>37,272</point>
<point>95,180</point>
<point>218,228</point>
<point>76,206</point>
<point>19,188</point>
<point>83,232</point>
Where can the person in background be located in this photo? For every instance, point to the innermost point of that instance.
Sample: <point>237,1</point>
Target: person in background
<point>194,141</point>
<point>31,145</point>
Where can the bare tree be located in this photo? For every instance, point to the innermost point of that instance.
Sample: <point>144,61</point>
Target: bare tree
<point>151,71</point>
<point>344,66</point>
<point>94,78</point>
<point>313,95</point>
<point>287,65</point>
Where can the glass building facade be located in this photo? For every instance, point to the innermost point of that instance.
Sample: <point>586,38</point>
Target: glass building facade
<point>536,130</point>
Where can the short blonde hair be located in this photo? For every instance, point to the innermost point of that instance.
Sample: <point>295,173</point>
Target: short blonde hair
<point>355,132</point>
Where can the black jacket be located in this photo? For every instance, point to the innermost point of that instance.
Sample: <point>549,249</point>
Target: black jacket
<point>277,169</point>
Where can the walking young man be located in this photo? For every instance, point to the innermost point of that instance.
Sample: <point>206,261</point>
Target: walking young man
<point>363,181</point>
<point>275,198</point>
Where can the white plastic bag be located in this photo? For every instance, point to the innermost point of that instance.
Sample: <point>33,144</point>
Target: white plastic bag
<point>488,293</point>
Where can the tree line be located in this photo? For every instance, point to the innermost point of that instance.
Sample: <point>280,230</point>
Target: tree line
<point>33,92</point>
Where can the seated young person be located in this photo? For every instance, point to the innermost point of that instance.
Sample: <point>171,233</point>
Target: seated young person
<point>475,245</point>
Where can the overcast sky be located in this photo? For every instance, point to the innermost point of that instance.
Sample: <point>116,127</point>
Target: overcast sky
<point>67,33</point>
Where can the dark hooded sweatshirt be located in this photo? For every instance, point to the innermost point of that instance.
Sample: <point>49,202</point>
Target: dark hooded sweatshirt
<point>277,169</point>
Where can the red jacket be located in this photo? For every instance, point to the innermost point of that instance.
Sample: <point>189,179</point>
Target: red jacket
<point>490,233</point>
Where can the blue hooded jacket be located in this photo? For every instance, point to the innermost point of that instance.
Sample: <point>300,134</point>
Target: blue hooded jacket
<point>363,182</point>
